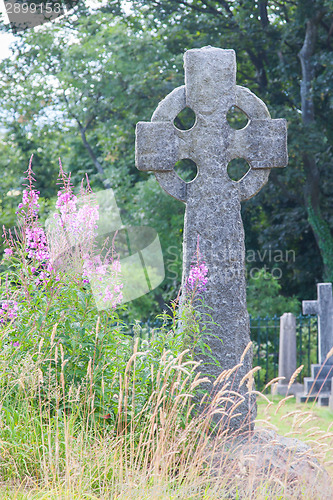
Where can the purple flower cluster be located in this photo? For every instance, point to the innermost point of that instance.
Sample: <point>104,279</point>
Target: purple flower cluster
<point>29,207</point>
<point>9,242</point>
<point>36,244</point>
<point>77,217</point>
<point>112,293</point>
<point>29,199</point>
<point>8,310</point>
<point>197,279</point>
<point>75,227</point>
<point>106,279</point>
<point>79,222</point>
<point>66,201</point>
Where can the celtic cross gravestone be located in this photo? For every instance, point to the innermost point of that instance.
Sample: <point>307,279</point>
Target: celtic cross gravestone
<point>213,199</point>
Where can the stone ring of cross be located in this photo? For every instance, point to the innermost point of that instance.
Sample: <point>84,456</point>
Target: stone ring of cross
<point>210,90</point>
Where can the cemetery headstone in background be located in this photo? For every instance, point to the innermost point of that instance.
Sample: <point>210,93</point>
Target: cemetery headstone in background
<point>213,200</point>
<point>319,385</point>
<point>287,356</point>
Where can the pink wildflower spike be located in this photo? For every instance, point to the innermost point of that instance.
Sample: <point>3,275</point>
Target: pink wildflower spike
<point>197,279</point>
<point>36,243</point>
<point>74,235</point>
<point>61,170</point>
<point>8,309</point>
<point>9,242</point>
<point>29,206</point>
<point>34,238</point>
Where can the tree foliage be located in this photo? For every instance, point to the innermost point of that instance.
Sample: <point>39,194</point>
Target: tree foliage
<point>284,55</point>
<point>76,89</point>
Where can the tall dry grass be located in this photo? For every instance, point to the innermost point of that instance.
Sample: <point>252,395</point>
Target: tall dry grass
<point>53,445</point>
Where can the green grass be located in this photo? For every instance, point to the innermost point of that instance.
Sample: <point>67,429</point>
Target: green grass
<point>321,415</point>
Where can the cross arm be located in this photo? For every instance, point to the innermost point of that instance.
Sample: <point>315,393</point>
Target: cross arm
<point>156,147</point>
<point>325,299</point>
<point>263,143</point>
<point>310,307</point>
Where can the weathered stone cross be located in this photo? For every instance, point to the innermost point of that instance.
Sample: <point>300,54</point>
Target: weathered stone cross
<point>213,200</point>
<point>323,308</point>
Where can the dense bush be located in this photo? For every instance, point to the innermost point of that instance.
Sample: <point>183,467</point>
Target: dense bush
<point>60,313</point>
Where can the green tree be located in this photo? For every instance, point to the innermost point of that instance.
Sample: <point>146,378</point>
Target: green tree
<point>79,88</point>
<point>278,45</point>
<point>264,297</point>
<point>91,79</point>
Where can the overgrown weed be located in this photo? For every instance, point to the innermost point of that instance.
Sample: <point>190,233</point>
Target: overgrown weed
<point>85,412</point>
<point>158,450</point>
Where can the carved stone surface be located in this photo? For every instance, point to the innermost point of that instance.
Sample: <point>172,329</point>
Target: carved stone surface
<point>213,200</point>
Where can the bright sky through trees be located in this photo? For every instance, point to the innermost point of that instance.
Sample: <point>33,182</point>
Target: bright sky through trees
<point>5,38</point>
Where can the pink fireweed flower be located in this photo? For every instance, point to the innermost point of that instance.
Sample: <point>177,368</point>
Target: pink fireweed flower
<point>8,310</point>
<point>34,241</point>
<point>72,237</point>
<point>66,199</point>
<point>36,244</point>
<point>30,201</point>
<point>76,216</point>
<point>29,207</point>
<point>81,225</point>
<point>113,295</point>
<point>43,277</point>
<point>197,279</point>
<point>9,241</point>
<point>105,283</point>
<point>66,203</point>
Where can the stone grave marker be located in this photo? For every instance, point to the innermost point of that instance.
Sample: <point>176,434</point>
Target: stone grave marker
<point>287,355</point>
<point>323,308</point>
<point>318,387</point>
<point>213,199</point>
